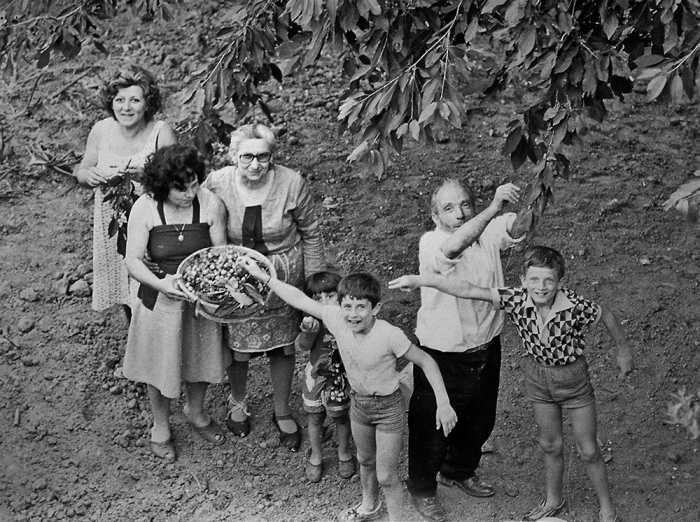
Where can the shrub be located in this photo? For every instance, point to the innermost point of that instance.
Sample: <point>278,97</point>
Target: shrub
<point>684,410</point>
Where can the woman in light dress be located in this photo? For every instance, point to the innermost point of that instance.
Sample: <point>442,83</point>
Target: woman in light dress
<point>118,144</point>
<point>168,344</point>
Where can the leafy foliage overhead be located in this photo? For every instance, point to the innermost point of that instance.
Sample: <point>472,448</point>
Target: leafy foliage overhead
<point>412,65</point>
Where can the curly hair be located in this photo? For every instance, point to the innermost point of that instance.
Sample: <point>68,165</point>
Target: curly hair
<point>250,132</point>
<point>133,75</point>
<point>172,166</point>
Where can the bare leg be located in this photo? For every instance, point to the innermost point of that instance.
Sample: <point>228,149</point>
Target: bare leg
<point>315,435</point>
<point>342,430</point>
<point>194,405</point>
<point>281,374</point>
<point>238,380</point>
<point>388,450</point>
<point>549,423</point>
<point>585,425</point>
<point>366,456</point>
<point>160,407</point>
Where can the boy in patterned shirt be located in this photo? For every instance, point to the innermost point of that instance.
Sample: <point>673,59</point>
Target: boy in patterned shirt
<point>550,320</point>
<point>326,390</point>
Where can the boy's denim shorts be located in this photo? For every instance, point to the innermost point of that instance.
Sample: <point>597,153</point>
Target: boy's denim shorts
<point>569,385</point>
<point>384,412</point>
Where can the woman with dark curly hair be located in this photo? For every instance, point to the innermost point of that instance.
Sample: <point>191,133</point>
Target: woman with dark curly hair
<point>167,344</point>
<point>119,145</point>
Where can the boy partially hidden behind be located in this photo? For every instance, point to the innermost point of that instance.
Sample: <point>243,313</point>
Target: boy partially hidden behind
<point>550,320</point>
<point>370,348</point>
<point>325,388</point>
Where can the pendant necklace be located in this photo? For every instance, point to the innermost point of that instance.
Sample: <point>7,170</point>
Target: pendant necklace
<point>180,237</point>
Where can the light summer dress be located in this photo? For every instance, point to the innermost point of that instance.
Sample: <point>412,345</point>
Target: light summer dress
<point>111,283</point>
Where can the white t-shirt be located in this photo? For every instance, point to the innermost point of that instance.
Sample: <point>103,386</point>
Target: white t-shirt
<point>370,362</point>
<point>450,324</point>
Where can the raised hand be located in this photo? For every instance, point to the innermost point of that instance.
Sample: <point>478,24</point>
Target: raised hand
<point>508,193</point>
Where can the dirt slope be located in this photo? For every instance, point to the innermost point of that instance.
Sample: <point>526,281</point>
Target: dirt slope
<point>73,436</point>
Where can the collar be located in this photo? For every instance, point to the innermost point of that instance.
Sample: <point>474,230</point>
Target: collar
<point>561,302</point>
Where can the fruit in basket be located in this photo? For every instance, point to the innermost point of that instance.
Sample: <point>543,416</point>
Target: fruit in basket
<point>212,275</point>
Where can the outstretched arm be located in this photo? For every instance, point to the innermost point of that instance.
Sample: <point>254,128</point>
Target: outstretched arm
<point>624,354</point>
<point>472,229</point>
<point>445,416</point>
<point>455,287</point>
<point>288,293</point>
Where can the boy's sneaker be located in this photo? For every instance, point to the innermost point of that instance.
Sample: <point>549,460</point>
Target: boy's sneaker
<point>429,508</point>
<point>541,511</point>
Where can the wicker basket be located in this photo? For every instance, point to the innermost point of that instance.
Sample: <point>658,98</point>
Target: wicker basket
<point>207,308</point>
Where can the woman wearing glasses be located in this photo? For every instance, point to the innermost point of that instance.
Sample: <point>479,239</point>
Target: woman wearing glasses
<point>270,210</point>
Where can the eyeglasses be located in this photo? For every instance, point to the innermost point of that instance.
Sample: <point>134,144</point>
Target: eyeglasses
<point>262,157</point>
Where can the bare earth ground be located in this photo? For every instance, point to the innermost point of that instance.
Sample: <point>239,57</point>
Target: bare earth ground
<point>73,436</point>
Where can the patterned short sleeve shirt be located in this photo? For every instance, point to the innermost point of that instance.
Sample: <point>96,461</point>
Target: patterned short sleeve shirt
<point>559,340</point>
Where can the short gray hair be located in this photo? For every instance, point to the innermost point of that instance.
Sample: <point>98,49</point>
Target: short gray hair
<point>457,183</point>
<point>250,132</point>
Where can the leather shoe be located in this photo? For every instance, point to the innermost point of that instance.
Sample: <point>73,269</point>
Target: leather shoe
<point>292,441</point>
<point>473,486</point>
<point>429,508</point>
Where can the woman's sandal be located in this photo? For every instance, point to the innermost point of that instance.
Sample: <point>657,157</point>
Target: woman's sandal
<point>238,428</point>
<point>212,432</point>
<point>541,511</point>
<point>164,450</point>
<point>355,515</point>
<point>291,441</point>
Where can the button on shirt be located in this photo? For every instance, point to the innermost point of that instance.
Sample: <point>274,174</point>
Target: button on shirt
<point>558,339</point>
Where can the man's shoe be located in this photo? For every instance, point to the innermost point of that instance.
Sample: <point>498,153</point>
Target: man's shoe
<point>429,508</point>
<point>473,486</point>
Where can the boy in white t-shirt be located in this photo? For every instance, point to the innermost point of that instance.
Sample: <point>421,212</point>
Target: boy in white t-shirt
<point>369,348</point>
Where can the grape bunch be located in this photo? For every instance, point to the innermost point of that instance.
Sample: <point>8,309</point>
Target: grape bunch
<point>212,275</point>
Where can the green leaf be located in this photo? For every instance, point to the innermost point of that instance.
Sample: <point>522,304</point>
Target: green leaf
<point>519,155</point>
<point>676,89</point>
<point>414,129</point>
<point>610,25</point>
<point>527,40</point>
<point>649,73</point>
<point>491,5</point>
<point>655,87</point>
<point>648,60</point>
<point>512,141</point>
<point>428,112</point>
<point>359,153</point>
<point>559,133</point>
